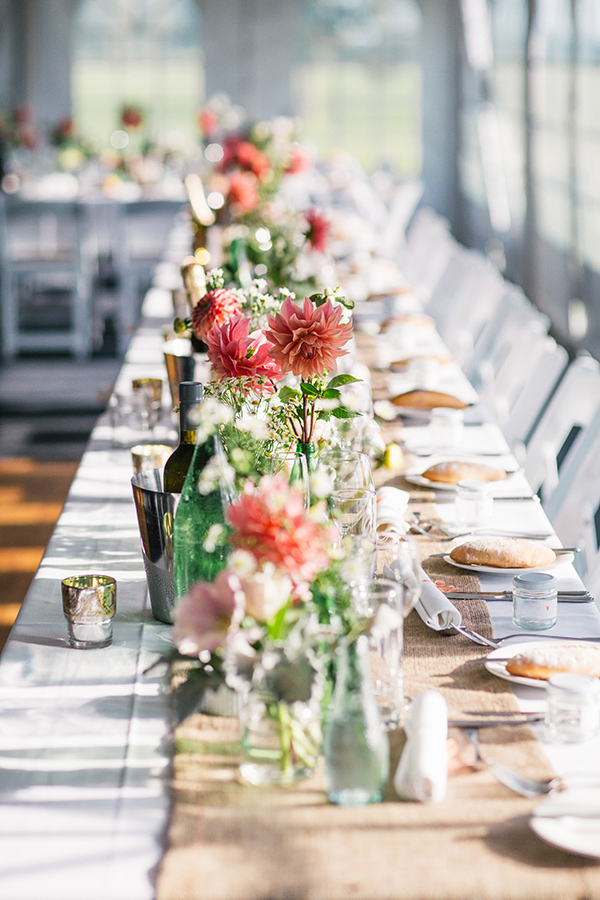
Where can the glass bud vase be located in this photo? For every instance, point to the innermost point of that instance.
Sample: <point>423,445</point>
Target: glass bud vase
<point>281,740</point>
<point>356,744</point>
<point>309,451</point>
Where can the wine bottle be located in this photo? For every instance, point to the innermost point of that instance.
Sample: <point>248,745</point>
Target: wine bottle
<point>177,465</point>
<point>200,532</point>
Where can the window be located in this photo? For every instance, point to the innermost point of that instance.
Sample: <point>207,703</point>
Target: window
<point>144,53</point>
<point>359,85</point>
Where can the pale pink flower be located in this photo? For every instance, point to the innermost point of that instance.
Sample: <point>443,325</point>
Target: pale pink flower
<point>234,352</point>
<point>215,307</point>
<point>203,616</point>
<point>308,339</point>
<point>265,591</point>
<point>270,521</point>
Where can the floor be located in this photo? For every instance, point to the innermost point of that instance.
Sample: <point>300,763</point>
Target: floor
<point>48,407</point>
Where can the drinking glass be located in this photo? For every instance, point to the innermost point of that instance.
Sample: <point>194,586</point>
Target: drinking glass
<point>294,467</point>
<point>386,633</point>
<point>352,510</point>
<point>356,397</point>
<point>347,468</point>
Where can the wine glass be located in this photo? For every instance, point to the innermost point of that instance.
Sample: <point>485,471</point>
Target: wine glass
<point>353,512</point>
<point>347,468</point>
<point>356,397</point>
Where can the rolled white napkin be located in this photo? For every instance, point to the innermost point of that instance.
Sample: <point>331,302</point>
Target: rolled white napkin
<point>390,507</point>
<point>422,772</point>
<point>434,607</point>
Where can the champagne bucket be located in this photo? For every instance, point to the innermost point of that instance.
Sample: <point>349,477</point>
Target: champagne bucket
<point>155,510</point>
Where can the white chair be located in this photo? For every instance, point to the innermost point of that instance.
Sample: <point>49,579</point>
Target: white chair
<point>574,507</point>
<point>427,251</point>
<point>562,426</point>
<point>48,251</point>
<point>404,201</point>
<point>141,231</point>
<point>464,299</point>
<point>507,351</point>
<point>534,395</point>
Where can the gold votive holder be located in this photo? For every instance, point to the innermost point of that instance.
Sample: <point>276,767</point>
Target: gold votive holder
<point>149,456</point>
<point>89,605</point>
<point>151,386</point>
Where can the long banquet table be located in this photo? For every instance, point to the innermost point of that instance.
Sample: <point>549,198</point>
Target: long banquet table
<point>85,739</point>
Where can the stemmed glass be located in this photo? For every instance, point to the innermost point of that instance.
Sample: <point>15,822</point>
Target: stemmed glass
<point>356,397</point>
<point>353,512</point>
<point>347,468</point>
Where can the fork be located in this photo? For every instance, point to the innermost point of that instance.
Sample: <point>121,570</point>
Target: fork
<point>520,784</point>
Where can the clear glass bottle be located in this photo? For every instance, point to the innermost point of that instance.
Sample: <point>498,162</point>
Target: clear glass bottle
<point>356,744</point>
<point>178,463</point>
<point>535,604</point>
<point>200,531</point>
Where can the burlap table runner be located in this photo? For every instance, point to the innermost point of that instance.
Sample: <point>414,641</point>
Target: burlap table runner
<point>227,841</point>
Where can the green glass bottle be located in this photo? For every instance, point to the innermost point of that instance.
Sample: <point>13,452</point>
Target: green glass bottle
<point>200,546</point>
<point>177,465</point>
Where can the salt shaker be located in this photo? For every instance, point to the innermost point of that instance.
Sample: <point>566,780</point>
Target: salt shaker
<point>535,605</point>
<point>573,708</point>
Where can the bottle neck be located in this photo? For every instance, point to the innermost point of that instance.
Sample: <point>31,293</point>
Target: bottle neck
<point>187,423</point>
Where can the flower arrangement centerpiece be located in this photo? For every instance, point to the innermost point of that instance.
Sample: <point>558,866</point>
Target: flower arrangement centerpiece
<point>268,627</point>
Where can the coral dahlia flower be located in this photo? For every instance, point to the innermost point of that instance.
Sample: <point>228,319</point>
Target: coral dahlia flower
<point>307,340</point>
<point>236,352</point>
<point>270,522</point>
<point>243,191</point>
<point>216,306</point>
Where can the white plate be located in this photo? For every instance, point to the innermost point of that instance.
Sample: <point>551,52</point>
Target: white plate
<point>420,481</point>
<point>561,559</point>
<point>495,662</point>
<point>575,835</point>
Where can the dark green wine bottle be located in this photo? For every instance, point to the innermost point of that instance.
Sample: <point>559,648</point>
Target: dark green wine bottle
<point>200,545</point>
<point>177,465</point>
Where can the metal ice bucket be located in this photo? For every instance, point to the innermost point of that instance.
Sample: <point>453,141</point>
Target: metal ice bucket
<point>155,512</point>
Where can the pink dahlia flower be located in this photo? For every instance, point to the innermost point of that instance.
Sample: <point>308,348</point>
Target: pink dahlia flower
<point>318,230</point>
<point>307,340</point>
<point>234,352</point>
<point>271,523</point>
<point>216,307</point>
<point>203,616</point>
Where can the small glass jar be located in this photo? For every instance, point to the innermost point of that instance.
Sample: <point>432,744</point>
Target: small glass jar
<point>446,427</point>
<point>573,708</point>
<point>474,504</point>
<point>535,604</point>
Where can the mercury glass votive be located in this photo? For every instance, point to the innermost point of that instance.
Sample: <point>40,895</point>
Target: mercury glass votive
<point>89,605</point>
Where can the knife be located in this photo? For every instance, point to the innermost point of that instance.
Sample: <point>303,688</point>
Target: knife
<point>494,723</point>
<point>581,596</point>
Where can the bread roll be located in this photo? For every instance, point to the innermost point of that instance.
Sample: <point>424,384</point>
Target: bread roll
<point>550,659</point>
<point>507,553</point>
<point>421,399</point>
<point>454,470</point>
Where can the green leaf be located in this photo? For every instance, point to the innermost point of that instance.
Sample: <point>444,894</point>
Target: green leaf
<point>287,393</point>
<point>339,380</point>
<point>343,413</point>
<point>318,299</point>
<point>309,389</point>
<point>330,394</point>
